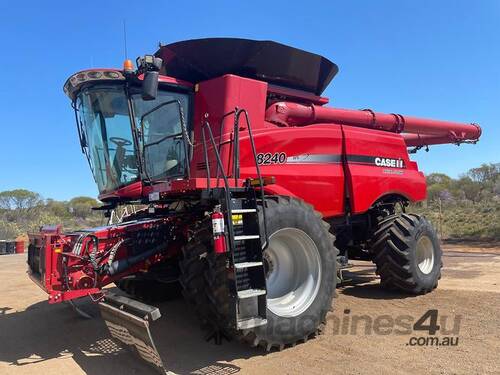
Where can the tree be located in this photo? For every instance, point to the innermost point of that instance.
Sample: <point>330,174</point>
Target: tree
<point>445,196</point>
<point>20,199</point>
<point>433,192</point>
<point>496,187</point>
<point>81,207</point>
<point>485,173</point>
<point>8,230</point>
<point>20,205</point>
<point>438,178</point>
<point>471,189</point>
<point>57,208</point>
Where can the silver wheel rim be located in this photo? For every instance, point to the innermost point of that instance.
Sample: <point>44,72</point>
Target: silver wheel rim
<point>293,274</point>
<point>425,254</point>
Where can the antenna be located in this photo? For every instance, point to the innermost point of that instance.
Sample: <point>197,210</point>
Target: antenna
<point>125,39</point>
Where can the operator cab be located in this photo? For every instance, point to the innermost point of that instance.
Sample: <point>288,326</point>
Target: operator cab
<point>127,136</point>
<point>133,124</point>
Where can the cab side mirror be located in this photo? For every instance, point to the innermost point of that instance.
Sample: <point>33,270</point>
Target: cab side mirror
<point>150,85</point>
<point>150,66</point>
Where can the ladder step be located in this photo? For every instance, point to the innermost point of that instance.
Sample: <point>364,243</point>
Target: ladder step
<point>251,322</point>
<point>248,293</point>
<point>247,265</point>
<point>243,210</point>
<point>248,237</point>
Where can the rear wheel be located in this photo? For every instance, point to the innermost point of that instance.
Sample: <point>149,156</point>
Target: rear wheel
<point>407,253</point>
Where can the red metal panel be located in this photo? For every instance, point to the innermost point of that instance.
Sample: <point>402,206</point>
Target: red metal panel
<point>313,169</point>
<point>216,98</point>
<point>131,191</point>
<point>317,181</point>
<point>369,182</point>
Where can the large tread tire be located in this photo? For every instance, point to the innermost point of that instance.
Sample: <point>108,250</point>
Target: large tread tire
<point>280,332</point>
<point>193,266</point>
<point>394,245</point>
<point>150,290</point>
<point>206,288</point>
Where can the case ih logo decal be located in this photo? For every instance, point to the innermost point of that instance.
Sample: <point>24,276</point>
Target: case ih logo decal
<point>378,161</point>
<point>388,162</point>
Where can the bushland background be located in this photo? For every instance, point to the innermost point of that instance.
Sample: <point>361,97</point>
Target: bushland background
<point>465,208</point>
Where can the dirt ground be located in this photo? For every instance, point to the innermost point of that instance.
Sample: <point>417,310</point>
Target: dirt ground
<point>51,339</point>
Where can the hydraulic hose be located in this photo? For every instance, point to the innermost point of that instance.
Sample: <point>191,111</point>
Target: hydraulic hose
<point>121,265</point>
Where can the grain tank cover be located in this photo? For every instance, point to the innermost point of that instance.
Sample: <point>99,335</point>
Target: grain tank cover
<point>202,59</point>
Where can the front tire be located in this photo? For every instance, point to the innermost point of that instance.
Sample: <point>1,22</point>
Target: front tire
<point>301,274</point>
<point>289,320</point>
<point>407,253</point>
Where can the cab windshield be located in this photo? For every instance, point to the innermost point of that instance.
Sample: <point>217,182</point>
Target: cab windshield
<point>114,152</point>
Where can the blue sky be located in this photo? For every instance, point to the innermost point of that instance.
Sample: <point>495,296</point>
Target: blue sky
<point>437,59</point>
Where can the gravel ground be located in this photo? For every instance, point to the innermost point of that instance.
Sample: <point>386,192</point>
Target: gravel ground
<point>50,339</point>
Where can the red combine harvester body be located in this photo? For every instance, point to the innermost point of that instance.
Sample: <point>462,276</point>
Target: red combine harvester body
<point>249,178</point>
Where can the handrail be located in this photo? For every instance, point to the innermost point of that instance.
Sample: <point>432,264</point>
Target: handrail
<point>220,140</point>
<point>205,154</point>
<point>236,150</point>
<point>206,125</point>
<point>236,164</point>
<point>257,168</point>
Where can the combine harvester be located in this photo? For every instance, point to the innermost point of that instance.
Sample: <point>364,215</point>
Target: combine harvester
<point>257,193</point>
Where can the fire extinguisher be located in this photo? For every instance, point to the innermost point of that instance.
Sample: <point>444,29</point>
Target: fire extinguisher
<point>218,230</point>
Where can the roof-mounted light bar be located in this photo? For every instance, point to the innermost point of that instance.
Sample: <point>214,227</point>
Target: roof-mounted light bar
<point>76,80</point>
<point>148,65</point>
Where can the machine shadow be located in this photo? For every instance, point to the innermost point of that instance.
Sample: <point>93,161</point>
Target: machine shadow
<point>43,332</point>
<point>362,282</point>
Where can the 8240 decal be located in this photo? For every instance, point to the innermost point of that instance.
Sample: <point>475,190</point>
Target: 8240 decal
<point>268,158</point>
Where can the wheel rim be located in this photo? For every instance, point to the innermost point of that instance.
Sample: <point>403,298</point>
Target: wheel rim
<point>293,272</point>
<point>425,254</point>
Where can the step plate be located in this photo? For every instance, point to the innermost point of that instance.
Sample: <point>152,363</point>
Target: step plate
<point>242,265</point>
<point>251,323</point>
<point>134,331</point>
<point>247,237</point>
<point>249,293</point>
<point>243,210</point>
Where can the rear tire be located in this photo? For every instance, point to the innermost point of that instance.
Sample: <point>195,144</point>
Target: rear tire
<point>407,253</point>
